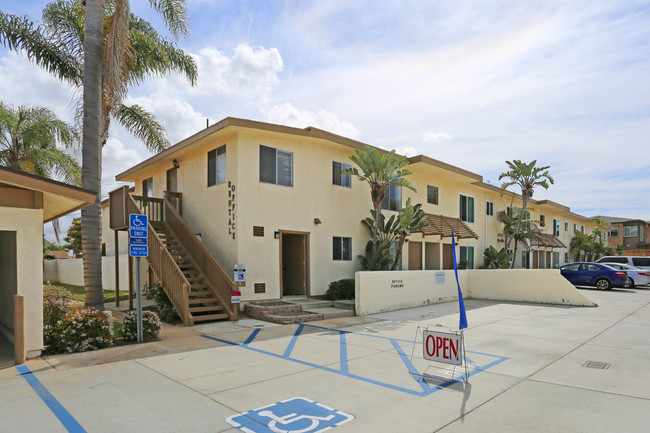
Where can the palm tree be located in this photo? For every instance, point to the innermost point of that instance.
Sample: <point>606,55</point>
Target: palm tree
<point>108,49</point>
<point>517,230</point>
<point>411,219</point>
<point>380,170</point>
<point>527,177</point>
<point>581,242</point>
<point>29,141</point>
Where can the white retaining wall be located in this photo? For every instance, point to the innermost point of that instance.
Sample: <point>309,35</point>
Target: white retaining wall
<point>71,271</point>
<point>378,292</point>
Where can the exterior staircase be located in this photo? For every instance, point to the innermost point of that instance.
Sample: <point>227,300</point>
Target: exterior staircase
<point>195,283</point>
<point>203,305</point>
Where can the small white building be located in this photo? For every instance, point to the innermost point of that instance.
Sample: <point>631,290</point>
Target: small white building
<point>26,203</point>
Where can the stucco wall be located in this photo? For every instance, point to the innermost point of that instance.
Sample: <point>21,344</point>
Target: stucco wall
<point>70,271</point>
<point>28,225</point>
<point>378,292</point>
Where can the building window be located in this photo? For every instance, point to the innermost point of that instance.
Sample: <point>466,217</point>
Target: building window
<point>542,220</point>
<point>525,260</point>
<point>613,233</point>
<point>467,208</point>
<point>432,194</point>
<point>575,227</point>
<point>276,166</point>
<point>556,259</point>
<point>566,226</point>
<point>392,198</point>
<point>217,166</point>
<point>147,187</point>
<point>466,257</point>
<point>337,177</point>
<point>582,229</point>
<point>490,208</point>
<point>630,231</point>
<point>556,229</point>
<point>342,248</point>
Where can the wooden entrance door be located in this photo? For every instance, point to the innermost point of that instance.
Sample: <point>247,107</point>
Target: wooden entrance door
<point>172,180</point>
<point>447,257</point>
<point>294,263</point>
<point>415,256</point>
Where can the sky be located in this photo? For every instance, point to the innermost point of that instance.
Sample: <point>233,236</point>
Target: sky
<point>470,83</point>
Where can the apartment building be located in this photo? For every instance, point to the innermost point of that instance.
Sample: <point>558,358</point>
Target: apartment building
<point>273,198</point>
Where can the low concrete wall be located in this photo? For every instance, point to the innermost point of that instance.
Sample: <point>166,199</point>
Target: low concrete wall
<point>378,292</point>
<point>71,271</point>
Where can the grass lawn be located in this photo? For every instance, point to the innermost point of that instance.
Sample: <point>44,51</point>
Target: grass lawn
<point>78,292</point>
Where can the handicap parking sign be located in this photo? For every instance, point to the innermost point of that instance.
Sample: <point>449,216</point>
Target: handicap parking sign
<point>295,415</point>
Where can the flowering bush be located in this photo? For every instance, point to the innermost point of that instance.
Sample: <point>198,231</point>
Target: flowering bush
<point>56,303</point>
<point>82,330</point>
<point>150,326</point>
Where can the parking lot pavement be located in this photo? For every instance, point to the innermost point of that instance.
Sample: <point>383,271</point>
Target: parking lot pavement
<point>527,367</point>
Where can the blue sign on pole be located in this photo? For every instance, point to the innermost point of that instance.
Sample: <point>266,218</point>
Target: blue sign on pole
<point>138,250</point>
<point>137,241</point>
<point>138,226</point>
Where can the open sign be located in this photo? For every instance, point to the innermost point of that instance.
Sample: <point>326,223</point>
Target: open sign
<point>442,347</point>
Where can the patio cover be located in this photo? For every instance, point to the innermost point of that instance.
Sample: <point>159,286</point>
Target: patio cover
<point>545,240</point>
<point>442,225</point>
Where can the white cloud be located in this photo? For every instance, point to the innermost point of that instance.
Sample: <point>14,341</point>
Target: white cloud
<point>248,73</point>
<point>287,114</point>
<point>406,150</point>
<point>434,137</point>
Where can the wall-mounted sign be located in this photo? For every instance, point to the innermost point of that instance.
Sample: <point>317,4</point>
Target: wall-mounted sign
<point>440,278</point>
<point>443,347</point>
<point>235,296</point>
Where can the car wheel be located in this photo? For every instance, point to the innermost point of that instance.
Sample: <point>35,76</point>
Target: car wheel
<point>628,283</point>
<point>632,284</point>
<point>603,284</point>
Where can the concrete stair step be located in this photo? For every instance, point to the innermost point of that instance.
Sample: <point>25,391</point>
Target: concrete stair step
<point>331,312</point>
<point>308,304</point>
<point>347,304</point>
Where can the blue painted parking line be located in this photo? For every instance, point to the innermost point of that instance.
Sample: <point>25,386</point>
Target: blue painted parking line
<point>50,401</point>
<point>426,388</point>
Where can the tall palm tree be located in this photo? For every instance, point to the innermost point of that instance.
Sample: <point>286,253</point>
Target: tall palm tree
<point>100,44</point>
<point>517,230</point>
<point>29,141</point>
<point>528,177</point>
<point>380,171</point>
<point>581,242</point>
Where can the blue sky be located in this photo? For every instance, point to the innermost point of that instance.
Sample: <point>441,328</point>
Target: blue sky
<point>472,83</point>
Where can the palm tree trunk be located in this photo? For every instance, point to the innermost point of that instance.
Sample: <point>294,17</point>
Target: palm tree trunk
<point>91,152</point>
<point>524,203</point>
<point>377,196</point>
<point>398,256</point>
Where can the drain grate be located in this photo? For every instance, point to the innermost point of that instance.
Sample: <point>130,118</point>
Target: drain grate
<point>597,364</point>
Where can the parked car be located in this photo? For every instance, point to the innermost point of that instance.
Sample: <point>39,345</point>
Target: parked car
<point>636,276</point>
<point>642,262</point>
<point>593,274</point>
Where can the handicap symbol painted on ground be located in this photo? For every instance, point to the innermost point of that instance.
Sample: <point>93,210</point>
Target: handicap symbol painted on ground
<point>295,415</point>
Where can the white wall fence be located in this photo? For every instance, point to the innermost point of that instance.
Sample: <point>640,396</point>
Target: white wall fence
<point>378,292</point>
<point>71,271</point>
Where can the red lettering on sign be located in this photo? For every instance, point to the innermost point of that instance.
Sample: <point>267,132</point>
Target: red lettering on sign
<point>430,345</point>
<point>438,345</point>
<point>454,348</point>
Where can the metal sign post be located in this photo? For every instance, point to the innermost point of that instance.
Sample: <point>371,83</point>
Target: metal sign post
<point>138,233</point>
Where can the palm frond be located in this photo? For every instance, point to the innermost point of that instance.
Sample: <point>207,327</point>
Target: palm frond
<point>174,15</point>
<point>143,125</point>
<point>21,34</point>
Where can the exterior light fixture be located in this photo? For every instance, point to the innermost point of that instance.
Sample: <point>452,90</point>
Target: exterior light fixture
<point>276,235</point>
<point>175,163</point>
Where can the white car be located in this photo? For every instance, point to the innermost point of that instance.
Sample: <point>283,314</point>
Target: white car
<point>636,276</point>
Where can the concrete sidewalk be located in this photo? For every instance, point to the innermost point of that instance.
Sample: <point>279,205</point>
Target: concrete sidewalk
<point>527,371</point>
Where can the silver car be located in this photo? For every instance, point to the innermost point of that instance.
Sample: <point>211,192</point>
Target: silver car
<point>636,276</point>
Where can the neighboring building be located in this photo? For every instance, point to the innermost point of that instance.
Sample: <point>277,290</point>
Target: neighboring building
<point>273,198</point>
<point>632,234</point>
<point>59,255</point>
<point>26,202</point>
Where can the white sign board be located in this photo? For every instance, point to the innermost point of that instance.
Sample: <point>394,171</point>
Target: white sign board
<point>440,278</point>
<point>443,347</point>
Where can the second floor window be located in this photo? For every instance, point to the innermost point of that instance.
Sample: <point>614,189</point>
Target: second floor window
<point>337,177</point>
<point>392,198</point>
<point>556,228</point>
<point>490,208</point>
<point>276,166</point>
<point>613,233</point>
<point>217,166</point>
<point>566,226</point>
<point>467,208</point>
<point>432,194</point>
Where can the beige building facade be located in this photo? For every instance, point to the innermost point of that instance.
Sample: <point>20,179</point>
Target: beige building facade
<point>272,198</point>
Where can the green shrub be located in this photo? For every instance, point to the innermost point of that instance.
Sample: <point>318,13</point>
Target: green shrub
<point>56,303</point>
<point>167,313</point>
<point>341,289</point>
<point>81,330</point>
<point>150,326</point>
